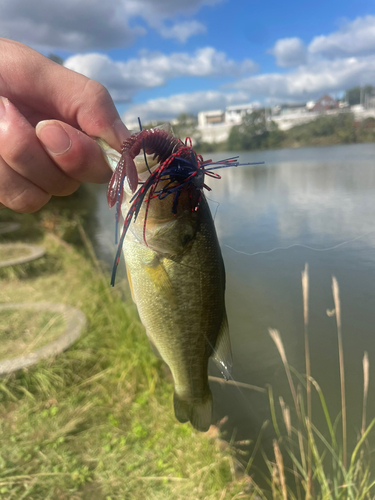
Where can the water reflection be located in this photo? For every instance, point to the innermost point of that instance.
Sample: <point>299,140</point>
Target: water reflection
<point>319,198</point>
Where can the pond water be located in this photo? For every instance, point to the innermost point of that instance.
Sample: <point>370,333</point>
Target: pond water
<point>311,205</point>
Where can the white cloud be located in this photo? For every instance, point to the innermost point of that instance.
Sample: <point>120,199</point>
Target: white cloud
<point>310,81</point>
<point>289,52</point>
<point>316,76</point>
<point>155,12</point>
<point>331,63</point>
<point>74,25</point>
<point>167,108</point>
<point>123,79</point>
<point>182,31</point>
<point>164,9</point>
<point>68,25</point>
<point>354,38</point>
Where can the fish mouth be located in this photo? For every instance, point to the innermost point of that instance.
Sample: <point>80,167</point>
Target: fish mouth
<point>145,163</point>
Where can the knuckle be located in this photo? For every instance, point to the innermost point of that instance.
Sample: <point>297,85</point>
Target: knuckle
<point>97,91</point>
<point>27,201</point>
<point>20,154</point>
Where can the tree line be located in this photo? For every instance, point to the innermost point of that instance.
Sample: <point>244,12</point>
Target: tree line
<point>258,132</point>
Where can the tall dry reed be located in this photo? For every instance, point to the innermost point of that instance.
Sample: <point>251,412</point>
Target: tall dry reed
<point>322,469</point>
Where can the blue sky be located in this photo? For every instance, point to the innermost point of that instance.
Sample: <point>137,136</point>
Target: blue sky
<point>159,58</point>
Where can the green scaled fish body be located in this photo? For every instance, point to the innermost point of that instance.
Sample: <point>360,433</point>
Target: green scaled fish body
<point>177,279</point>
<point>180,299</point>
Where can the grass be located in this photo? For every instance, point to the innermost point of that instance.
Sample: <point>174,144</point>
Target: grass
<point>320,464</point>
<point>12,253</point>
<point>97,422</point>
<point>23,331</point>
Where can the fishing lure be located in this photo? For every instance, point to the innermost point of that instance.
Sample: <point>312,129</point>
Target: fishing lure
<point>179,169</point>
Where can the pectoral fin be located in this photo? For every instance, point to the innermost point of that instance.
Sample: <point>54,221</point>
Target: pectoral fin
<point>130,283</point>
<point>160,278</point>
<point>222,355</point>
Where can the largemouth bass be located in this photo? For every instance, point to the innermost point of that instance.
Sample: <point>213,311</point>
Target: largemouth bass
<point>174,265</point>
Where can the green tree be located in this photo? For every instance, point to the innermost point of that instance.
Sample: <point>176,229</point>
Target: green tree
<point>186,126</point>
<point>329,129</point>
<point>345,128</point>
<point>255,132</point>
<point>353,95</point>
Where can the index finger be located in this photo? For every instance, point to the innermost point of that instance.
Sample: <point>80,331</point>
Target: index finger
<point>59,92</point>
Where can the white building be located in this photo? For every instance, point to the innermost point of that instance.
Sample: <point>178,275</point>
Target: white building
<point>214,126</point>
<point>285,121</point>
<point>235,114</point>
<point>210,118</point>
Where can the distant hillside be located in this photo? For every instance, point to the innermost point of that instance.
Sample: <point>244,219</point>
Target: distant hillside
<point>255,133</point>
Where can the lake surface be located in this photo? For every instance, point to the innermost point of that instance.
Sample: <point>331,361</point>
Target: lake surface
<point>311,205</point>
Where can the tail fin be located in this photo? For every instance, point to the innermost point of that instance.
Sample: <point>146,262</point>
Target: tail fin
<point>199,412</point>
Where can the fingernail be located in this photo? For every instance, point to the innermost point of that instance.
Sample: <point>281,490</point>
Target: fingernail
<point>53,136</point>
<point>2,106</point>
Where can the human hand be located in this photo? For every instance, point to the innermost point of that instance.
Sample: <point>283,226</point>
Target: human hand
<point>48,116</point>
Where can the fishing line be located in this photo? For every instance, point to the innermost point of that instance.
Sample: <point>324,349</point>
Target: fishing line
<point>300,245</point>
<point>217,206</point>
<point>227,376</point>
<point>237,385</point>
<point>230,378</point>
